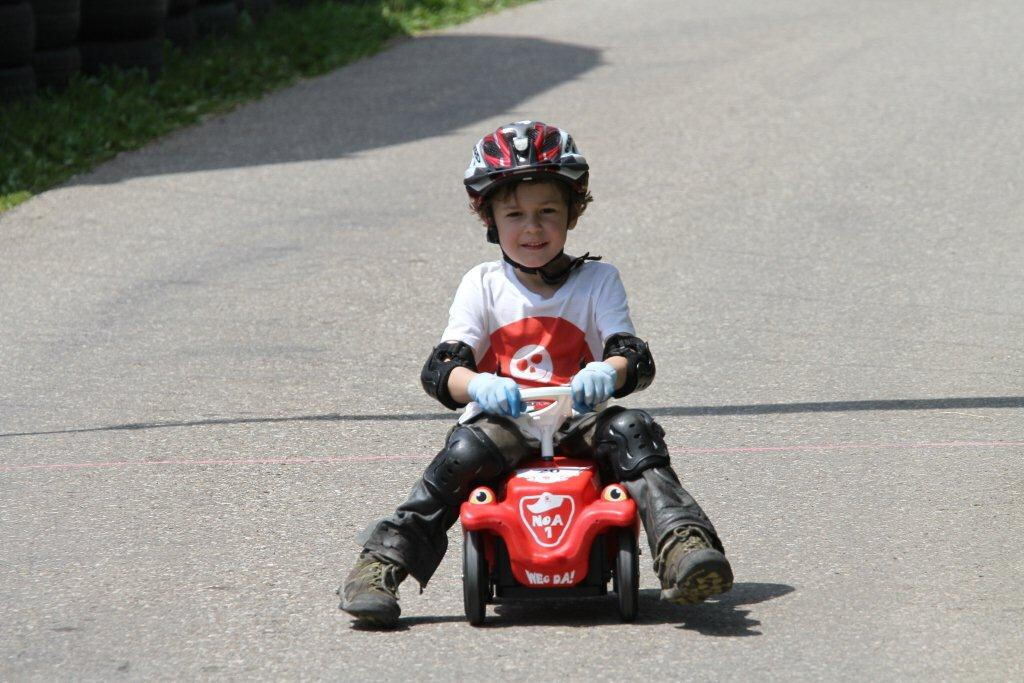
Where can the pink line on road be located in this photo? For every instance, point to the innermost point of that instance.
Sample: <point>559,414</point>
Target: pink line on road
<point>425,458</point>
<point>851,446</point>
<point>258,461</point>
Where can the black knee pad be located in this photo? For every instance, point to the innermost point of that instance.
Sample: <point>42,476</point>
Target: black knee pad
<point>630,441</point>
<point>468,458</point>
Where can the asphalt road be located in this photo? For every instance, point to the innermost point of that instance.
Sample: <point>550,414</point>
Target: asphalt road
<point>209,350</point>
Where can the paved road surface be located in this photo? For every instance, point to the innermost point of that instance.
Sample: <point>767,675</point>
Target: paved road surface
<point>209,350</point>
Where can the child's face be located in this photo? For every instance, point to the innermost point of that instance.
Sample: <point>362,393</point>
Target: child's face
<point>532,222</point>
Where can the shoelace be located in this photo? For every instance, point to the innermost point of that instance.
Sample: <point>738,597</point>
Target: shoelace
<point>682,537</point>
<point>384,575</point>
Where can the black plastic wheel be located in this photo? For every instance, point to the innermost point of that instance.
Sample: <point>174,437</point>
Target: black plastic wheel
<point>475,577</point>
<point>258,9</point>
<point>17,34</point>
<point>181,30</point>
<point>176,7</point>
<point>627,574</point>
<point>16,83</point>
<point>121,20</point>
<point>145,54</point>
<point>54,68</point>
<point>57,22</point>
<point>216,19</point>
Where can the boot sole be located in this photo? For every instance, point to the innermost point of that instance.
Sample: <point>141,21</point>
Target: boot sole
<point>709,574</point>
<point>373,612</point>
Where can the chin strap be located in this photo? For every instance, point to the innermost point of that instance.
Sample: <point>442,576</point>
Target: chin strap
<point>554,274</point>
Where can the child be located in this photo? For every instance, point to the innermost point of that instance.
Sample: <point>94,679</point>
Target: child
<point>538,317</point>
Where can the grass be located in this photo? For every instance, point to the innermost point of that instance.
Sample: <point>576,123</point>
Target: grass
<point>47,139</point>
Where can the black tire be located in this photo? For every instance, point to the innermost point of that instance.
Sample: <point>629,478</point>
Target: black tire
<point>17,34</point>
<point>122,20</point>
<point>216,19</point>
<point>54,68</point>
<point>627,574</point>
<point>57,22</point>
<point>16,83</point>
<point>258,9</point>
<point>181,29</point>
<point>476,587</point>
<point>176,7</point>
<point>145,54</point>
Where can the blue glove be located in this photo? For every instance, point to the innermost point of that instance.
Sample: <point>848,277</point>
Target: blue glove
<point>496,395</point>
<point>592,385</point>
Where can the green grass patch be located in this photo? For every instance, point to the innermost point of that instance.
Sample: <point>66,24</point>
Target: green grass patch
<point>47,139</point>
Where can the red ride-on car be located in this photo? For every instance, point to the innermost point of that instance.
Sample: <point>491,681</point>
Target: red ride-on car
<point>551,529</point>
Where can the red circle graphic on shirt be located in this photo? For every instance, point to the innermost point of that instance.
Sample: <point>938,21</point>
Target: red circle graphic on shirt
<point>537,351</point>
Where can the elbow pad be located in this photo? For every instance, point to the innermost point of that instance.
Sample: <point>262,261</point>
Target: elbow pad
<point>445,357</point>
<point>639,369</point>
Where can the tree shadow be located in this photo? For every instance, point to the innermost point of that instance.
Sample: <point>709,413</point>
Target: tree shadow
<point>670,411</point>
<point>418,88</point>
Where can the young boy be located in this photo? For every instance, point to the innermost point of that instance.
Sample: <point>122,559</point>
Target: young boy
<point>540,318</point>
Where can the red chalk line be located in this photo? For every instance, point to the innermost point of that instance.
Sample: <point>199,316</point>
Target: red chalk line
<point>425,458</point>
<point>849,446</point>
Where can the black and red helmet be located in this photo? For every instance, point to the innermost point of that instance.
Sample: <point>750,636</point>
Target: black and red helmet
<point>524,148</point>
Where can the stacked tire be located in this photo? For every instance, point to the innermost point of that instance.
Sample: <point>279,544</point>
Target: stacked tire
<point>180,26</point>
<point>17,43</point>
<point>126,34</point>
<point>216,17</point>
<point>257,9</point>
<point>56,58</point>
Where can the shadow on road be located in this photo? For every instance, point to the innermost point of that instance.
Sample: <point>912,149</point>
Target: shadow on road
<point>718,616</point>
<point>672,411</point>
<point>405,623</point>
<point>721,616</point>
<point>420,88</point>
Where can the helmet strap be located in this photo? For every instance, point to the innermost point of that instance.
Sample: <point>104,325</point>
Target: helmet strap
<point>553,273</point>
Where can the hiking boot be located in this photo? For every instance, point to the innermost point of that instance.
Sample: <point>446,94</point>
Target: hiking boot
<point>370,593</point>
<point>690,568</point>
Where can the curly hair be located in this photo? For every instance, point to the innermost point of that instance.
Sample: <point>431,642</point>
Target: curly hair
<point>576,201</point>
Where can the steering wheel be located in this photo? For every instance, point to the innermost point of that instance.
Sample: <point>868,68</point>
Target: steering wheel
<point>543,422</point>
